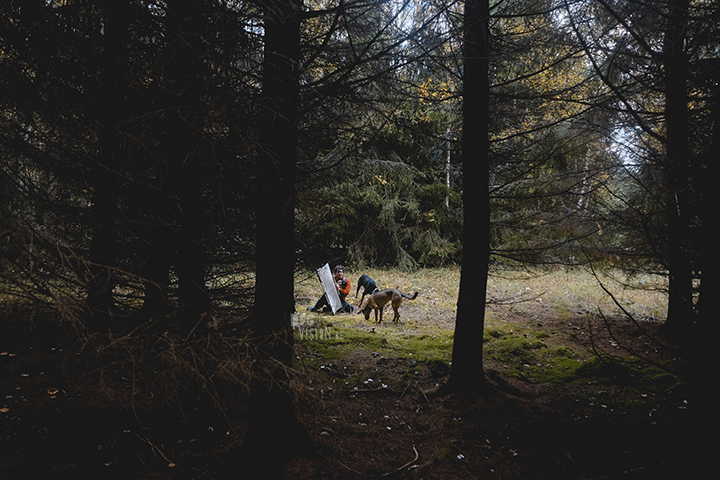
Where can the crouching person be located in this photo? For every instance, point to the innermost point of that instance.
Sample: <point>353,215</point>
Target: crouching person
<point>343,288</point>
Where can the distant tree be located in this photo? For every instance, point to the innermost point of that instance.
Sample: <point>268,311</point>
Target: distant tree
<point>663,101</point>
<point>380,83</point>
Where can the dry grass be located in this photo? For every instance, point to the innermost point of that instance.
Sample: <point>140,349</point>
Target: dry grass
<point>567,293</point>
<point>511,294</point>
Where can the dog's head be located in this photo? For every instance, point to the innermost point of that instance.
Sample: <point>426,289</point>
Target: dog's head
<point>365,308</point>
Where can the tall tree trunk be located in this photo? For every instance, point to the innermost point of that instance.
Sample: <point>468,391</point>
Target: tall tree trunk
<point>448,157</point>
<point>273,429</point>
<point>187,21</point>
<point>275,234</point>
<point>156,274</point>
<point>681,314</point>
<point>703,409</point>
<point>707,321</point>
<point>467,359</point>
<point>102,255</point>
<point>110,114</point>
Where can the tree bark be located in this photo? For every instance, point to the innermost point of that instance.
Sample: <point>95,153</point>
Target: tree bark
<point>156,275</point>
<point>186,150</point>
<point>703,409</point>
<point>102,255</point>
<point>273,430</point>
<point>467,373</point>
<point>680,319</point>
<point>707,324</point>
<point>110,114</point>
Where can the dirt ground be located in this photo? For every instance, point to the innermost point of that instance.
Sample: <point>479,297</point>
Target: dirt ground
<point>390,427</point>
<point>518,430</point>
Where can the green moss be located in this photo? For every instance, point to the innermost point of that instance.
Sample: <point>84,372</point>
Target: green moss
<point>559,370</point>
<point>437,368</point>
<point>494,333</point>
<point>437,345</point>
<point>515,349</point>
<point>564,351</point>
<point>621,372</point>
<point>414,371</point>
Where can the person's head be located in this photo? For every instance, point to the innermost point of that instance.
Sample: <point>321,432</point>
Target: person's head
<point>339,272</point>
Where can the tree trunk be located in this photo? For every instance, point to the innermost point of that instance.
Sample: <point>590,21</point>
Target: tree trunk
<point>467,360</point>
<point>681,314</point>
<point>102,255</point>
<point>156,275</point>
<point>186,144</point>
<point>703,408</point>
<point>273,429</point>
<point>707,322</point>
<point>448,157</point>
<point>111,112</point>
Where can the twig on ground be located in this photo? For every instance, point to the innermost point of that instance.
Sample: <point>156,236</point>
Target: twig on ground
<point>423,393</point>
<point>417,455</point>
<point>155,447</point>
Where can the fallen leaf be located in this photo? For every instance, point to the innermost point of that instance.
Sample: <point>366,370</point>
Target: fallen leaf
<point>52,391</point>
<point>4,410</point>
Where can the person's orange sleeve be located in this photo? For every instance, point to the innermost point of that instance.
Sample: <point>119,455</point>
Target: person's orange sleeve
<point>346,291</point>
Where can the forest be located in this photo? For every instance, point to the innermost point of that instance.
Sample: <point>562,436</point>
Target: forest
<point>173,173</point>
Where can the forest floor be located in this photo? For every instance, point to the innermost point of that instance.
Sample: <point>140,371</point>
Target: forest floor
<point>577,390</point>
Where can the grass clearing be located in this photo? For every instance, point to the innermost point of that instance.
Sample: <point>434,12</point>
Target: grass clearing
<point>539,326</point>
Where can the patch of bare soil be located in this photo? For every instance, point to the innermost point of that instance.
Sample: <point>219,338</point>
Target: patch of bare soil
<point>391,427</point>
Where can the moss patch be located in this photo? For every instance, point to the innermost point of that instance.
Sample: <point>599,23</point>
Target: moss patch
<point>515,350</point>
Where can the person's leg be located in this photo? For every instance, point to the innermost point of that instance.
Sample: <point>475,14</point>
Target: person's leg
<point>322,302</point>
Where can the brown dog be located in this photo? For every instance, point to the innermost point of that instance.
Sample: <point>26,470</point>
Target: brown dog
<point>379,299</point>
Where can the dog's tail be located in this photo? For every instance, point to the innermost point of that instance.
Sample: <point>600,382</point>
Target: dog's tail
<point>411,297</point>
